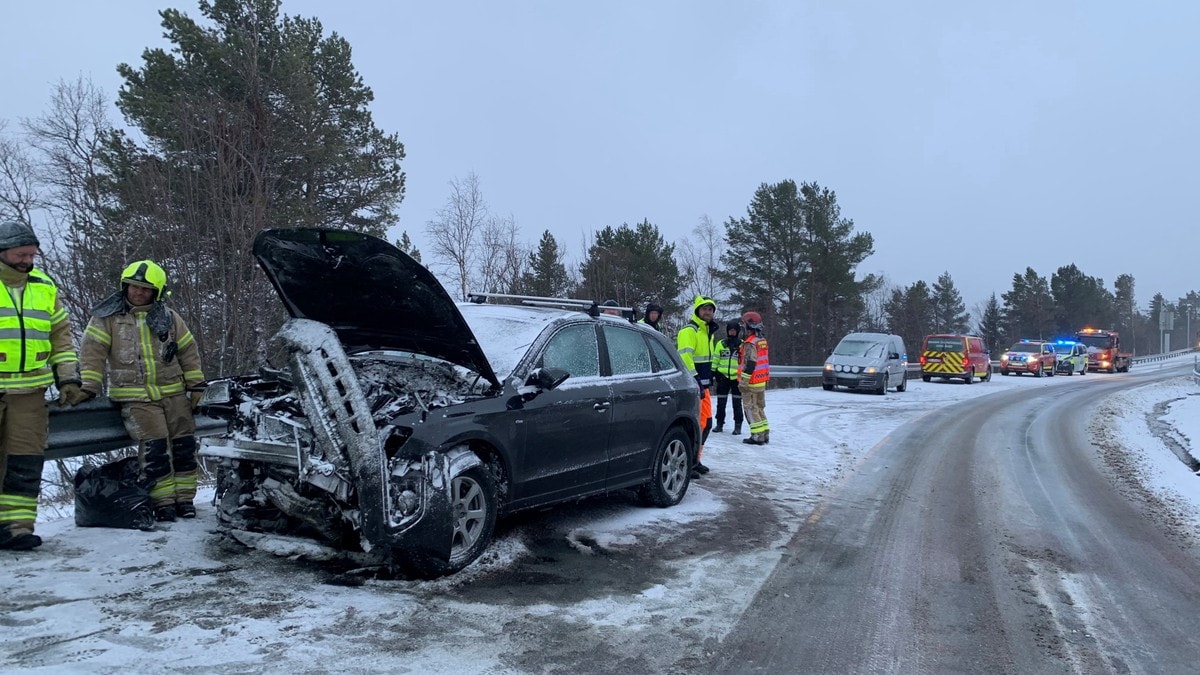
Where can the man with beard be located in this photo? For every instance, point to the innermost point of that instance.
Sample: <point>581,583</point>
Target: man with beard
<point>35,352</point>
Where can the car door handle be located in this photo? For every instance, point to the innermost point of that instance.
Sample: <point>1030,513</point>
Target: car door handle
<point>602,406</point>
<point>664,399</point>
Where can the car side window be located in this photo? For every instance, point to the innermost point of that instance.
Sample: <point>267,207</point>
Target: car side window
<point>575,350</point>
<point>627,353</point>
<point>662,358</point>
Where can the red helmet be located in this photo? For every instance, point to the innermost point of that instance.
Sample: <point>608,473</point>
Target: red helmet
<point>752,320</point>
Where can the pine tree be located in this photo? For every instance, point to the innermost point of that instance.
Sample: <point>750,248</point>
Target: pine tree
<point>1028,307</point>
<point>793,257</point>
<point>405,244</point>
<point>547,275</point>
<point>1080,300</point>
<point>632,265</point>
<point>910,313</point>
<point>991,326</point>
<point>949,312</point>
<point>251,121</point>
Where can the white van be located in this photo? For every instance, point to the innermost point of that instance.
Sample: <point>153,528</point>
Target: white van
<point>870,361</point>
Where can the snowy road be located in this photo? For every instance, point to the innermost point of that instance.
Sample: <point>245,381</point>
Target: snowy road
<point>604,585</point>
<point>986,537</point>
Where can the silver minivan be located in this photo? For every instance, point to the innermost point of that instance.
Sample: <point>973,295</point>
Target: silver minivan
<point>868,361</point>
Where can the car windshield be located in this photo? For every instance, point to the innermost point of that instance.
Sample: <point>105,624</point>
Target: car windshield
<point>504,338</point>
<point>1097,341</point>
<point>859,348</point>
<point>1026,347</point>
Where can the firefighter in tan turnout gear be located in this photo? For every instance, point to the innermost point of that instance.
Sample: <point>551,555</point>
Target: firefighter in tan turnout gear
<point>754,375</point>
<point>153,363</point>
<point>35,352</point>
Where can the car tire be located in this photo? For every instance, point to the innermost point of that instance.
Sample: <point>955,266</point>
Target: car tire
<point>670,472</point>
<point>1084,371</point>
<point>924,378</point>
<point>1041,372</point>
<point>987,377</point>
<point>969,378</point>
<point>903,386</point>
<point>1004,372</point>
<point>883,387</point>
<point>827,387</point>
<point>474,505</point>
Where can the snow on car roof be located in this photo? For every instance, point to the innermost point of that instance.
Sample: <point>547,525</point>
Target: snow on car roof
<point>505,332</point>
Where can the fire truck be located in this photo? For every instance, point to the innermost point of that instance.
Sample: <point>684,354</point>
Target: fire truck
<point>1104,350</point>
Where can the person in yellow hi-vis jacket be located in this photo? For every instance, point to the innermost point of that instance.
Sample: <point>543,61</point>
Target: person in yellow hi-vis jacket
<point>153,366</point>
<point>35,352</point>
<point>695,343</point>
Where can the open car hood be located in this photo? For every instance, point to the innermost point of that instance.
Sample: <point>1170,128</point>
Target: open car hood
<point>372,294</point>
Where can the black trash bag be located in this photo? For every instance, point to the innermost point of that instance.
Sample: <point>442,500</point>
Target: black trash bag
<point>112,495</point>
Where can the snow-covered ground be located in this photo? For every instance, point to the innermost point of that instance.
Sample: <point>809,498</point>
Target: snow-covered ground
<point>186,598</point>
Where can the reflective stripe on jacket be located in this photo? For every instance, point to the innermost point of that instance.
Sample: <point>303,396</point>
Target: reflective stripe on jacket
<point>727,361</point>
<point>133,356</point>
<point>35,335</point>
<point>756,366</point>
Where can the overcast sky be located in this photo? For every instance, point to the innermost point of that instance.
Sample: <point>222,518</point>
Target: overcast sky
<point>973,138</point>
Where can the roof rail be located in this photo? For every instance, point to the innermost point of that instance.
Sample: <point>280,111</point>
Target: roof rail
<point>591,307</point>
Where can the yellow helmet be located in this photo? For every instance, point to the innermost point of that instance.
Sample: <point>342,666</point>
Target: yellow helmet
<point>145,273</point>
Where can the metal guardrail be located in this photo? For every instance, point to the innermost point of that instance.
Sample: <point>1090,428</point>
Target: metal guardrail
<point>914,369</point>
<point>96,426</point>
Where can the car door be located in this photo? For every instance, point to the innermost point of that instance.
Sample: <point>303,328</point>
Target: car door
<point>567,428</point>
<point>643,405</point>
<point>897,366</point>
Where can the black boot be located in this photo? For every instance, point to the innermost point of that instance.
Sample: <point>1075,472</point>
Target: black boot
<point>720,428</point>
<point>185,510</point>
<point>737,428</point>
<point>165,514</point>
<point>19,542</point>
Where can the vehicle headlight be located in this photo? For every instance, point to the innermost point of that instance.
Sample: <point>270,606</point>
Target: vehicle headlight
<point>871,370</point>
<point>828,367</point>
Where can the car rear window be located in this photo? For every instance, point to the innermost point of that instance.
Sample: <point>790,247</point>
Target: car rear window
<point>944,345</point>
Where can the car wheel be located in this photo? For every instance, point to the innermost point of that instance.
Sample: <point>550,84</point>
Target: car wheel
<point>473,510</point>
<point>924,378</point>
<point>969,378</point>
<point>670,473</point>
<point>1004,372</point>
<point>1083,371</point>
<point>987,377</point>
<point>827,387</point>
<point>883,387</point>
<point>1040,372</point>
<point>903,386</point>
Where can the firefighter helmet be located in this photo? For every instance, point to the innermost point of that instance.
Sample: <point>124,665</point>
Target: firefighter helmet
<point>145,273</point>
<point>752,321</point>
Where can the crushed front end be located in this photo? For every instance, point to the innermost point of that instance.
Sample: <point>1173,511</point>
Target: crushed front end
<point>310,450</point>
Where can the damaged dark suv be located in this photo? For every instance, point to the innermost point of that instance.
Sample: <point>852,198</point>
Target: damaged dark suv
<point>398,423</point>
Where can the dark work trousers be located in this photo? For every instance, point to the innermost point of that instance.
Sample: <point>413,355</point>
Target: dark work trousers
<point>725,387</point>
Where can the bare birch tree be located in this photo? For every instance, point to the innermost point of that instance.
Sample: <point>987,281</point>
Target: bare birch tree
<point>457,230</point>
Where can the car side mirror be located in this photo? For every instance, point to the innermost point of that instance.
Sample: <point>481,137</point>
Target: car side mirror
<point>547,378</point>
